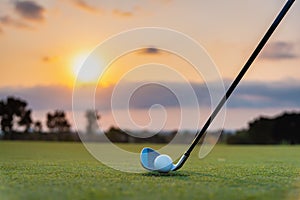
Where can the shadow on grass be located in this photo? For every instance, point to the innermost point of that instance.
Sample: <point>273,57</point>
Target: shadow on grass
<point>174,174</point>
<point>186,174</point>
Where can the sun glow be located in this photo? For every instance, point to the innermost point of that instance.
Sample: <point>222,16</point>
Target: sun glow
<point>87,69</point>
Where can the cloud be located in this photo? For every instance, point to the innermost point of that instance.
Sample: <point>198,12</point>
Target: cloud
<point>248,95</point>
<point>46,59</point>
<point>147,96</point>
<point>122,13</point>
<point>30,10</point>
<point>128,11</point>
<point>8,21</point>
<point>163,1</point>
<point>41,97</point>
<point>85,6</point>
<point>266,95</point>
<point>151,50</point>
<point>49,59</point>
<point>279,50</point>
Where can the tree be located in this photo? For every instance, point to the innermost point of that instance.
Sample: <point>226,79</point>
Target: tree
<point>281,129</point>
<point>26,120</point>
<point>38,128</point>
<point>261,131</point>
<point>12,108</point>
<point>92,117</point>
<point>57,122</point>
<point>287,127</point>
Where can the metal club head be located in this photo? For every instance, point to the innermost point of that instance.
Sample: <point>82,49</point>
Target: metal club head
<point>148,156</point>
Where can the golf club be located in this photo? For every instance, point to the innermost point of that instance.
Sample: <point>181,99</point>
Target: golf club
<point>153,161</point>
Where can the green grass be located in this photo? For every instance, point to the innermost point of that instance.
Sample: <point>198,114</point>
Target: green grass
<point>40,170</point>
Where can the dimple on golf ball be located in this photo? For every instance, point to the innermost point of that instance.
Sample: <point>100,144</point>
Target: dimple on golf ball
<point>163,163</point>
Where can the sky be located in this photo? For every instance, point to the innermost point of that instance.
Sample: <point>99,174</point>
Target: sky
<point>44,43</point>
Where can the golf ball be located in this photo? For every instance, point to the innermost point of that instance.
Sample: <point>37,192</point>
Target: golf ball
<point>163,163</point>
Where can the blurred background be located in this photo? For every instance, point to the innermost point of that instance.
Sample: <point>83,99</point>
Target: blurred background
<point>44,43</point>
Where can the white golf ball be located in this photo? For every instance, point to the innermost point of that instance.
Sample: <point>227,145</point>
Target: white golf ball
<point>163,163</point>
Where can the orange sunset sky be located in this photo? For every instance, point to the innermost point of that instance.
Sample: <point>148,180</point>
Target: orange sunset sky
<point>43,44</point>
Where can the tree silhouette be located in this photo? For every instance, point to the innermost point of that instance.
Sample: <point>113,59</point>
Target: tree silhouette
<point>11,108</point>
<point>281,129</point>
<point>26,120</point>
<point>261,131</point>
<point>92,117</point>
<point>38,128</point>
<point>57,122</point>
<point>287,128</point>
<point>6,114</point>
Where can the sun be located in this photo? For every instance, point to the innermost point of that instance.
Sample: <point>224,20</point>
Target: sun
<point>86,68</point>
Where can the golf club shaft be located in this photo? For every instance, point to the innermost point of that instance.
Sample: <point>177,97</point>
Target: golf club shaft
<point>240,75</point>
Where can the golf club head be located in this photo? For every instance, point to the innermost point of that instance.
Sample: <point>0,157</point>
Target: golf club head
<point>149,155</point>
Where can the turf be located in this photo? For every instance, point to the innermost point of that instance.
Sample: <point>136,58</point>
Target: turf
<point>37,170</point>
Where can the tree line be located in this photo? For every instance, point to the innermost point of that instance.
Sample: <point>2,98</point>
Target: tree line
<point>283,129</point>
<point>16,119</point>
<point>15,116</point>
